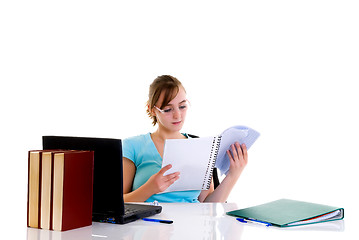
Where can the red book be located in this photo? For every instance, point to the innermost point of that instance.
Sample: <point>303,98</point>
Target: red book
<point>72,190</point>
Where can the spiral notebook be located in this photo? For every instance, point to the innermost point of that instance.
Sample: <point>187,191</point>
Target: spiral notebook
<point>195,158</point>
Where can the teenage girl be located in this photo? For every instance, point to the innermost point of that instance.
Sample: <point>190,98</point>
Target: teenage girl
<point>144,178</point>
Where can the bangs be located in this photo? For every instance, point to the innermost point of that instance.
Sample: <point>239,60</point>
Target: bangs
<point>170,92</point>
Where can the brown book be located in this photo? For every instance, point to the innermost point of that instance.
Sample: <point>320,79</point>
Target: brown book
<point>33,191</point>
<point>72,190</point>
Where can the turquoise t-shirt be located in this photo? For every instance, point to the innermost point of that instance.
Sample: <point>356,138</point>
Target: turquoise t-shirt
<point>143,153</point>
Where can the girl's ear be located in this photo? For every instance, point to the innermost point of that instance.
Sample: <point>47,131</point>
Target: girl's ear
<point>151,111</point>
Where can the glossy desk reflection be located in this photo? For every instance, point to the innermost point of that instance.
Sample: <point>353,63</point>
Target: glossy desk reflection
<point>191,221</point>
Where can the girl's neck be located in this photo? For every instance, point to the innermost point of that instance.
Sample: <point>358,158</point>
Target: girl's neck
<point>161,134</point>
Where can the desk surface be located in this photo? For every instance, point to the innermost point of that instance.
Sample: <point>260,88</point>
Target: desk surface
<point>193,221</point>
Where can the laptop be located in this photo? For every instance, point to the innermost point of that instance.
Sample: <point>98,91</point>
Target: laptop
<point>108,202</point>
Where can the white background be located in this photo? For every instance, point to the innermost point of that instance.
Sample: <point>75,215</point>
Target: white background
<point>288,69</point>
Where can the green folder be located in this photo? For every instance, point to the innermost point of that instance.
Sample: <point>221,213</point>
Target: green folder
<point>288,213</point>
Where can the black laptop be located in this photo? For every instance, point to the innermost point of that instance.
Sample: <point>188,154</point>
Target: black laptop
<point>108,203</point>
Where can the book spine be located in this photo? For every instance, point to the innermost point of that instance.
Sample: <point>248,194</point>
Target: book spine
<point>34,189</point>
<point>46,190</point>
<point>211,163</point>
<point>57,193</point>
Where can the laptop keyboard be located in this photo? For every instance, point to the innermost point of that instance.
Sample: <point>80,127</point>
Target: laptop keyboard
<point>132,212</point>
<point>129,209</point>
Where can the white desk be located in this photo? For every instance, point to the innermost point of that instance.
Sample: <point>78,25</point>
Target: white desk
<point>193,221</point>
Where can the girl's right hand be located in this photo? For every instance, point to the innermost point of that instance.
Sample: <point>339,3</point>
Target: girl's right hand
<point>160,183</point>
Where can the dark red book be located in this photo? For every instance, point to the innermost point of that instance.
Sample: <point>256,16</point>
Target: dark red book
<point>72,190</point>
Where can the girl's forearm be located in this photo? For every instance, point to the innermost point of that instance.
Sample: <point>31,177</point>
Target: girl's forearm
<point>139,195</point>
<point>221,193</point>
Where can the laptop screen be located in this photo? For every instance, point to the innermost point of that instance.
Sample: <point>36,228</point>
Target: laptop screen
<point>108,186</point>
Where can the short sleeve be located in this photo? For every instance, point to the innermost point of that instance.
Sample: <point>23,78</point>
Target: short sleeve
<point>128,149</point>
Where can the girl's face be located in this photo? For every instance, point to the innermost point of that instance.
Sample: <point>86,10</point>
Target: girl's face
<point>172,116</point>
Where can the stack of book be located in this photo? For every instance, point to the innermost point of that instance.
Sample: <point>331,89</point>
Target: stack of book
<point>60,189</point>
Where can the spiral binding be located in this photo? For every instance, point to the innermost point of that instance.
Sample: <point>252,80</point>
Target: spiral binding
<point>211,163</point>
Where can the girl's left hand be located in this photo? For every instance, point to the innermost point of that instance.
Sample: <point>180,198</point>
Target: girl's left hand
<point>238,158</point>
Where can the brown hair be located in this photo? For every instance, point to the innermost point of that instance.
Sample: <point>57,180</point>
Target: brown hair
<point>167,84</point>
